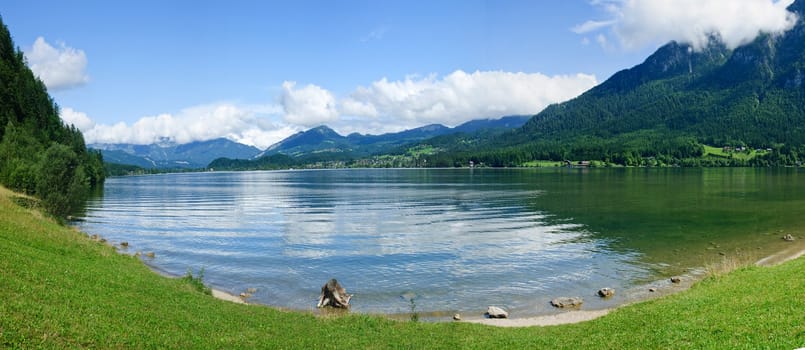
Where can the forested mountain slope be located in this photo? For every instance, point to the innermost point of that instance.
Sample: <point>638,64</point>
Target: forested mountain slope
<point>751,96</point>
<point>39,155</point>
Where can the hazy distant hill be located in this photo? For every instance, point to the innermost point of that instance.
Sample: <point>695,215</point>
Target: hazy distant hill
<point>169,155</point>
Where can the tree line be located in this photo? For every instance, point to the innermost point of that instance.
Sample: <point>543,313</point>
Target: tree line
<point>39,154</point>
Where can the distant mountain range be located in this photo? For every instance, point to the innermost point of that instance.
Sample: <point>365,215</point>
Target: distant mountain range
<point>325,140</point>
<point>660,112</point>
<point>168,155</point>
<point>663,111</point>
<point>318,140</point>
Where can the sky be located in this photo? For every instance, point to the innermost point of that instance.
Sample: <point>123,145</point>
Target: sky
<point>256,72</point>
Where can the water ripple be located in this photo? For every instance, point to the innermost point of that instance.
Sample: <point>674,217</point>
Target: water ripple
<point>456,239</point>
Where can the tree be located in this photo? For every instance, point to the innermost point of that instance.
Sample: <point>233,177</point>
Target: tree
<point>39,155</point>
<point>62,181</point>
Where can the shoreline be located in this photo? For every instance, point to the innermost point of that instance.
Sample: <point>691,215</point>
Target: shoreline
<point>578,316</point>
<point>788,254</point>
<point>638,294</point>
<point>569,317</point>
<point>222,295</point>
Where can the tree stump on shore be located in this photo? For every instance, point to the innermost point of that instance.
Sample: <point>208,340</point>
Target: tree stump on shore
<point>333,294</point>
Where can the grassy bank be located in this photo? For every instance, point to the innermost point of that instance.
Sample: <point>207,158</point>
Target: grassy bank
<point>59,289</point>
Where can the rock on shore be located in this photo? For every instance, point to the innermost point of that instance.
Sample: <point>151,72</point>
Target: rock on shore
<point>567,302</point>
<point>496,312</point>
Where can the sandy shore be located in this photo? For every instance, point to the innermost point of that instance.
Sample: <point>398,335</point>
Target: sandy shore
<point>228,297</point>
<point>542,321</point>
<point>796,250</point>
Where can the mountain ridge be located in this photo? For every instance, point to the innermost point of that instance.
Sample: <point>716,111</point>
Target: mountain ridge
<point>166,154</point>
<point>323,139</point>
<point>752,94</point>
<point>170,155</point>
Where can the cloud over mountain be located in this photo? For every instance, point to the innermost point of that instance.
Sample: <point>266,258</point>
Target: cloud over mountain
<point>383,106</point>
<point>460,97</point>
<point>639,23</point>
<point>308,106</point>
<point>244,124</point>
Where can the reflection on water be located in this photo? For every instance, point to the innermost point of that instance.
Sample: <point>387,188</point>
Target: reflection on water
<point>458,239</point>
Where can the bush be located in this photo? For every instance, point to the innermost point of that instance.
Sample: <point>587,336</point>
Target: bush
<point>61,181</point>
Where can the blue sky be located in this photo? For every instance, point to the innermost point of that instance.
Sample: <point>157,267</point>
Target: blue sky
<point>257,71</point>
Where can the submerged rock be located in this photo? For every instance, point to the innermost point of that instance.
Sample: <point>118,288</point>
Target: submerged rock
<point>788,238</point>
<point>567,302</point>
<point>496,312</point>
<point>606,292</point>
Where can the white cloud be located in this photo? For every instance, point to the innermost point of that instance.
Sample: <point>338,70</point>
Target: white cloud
<point>590,26</point>
<point>250,125</point>
<point>640,23</point>
<point>383,106</point>
<point>457,98</point>
<point>308,106</point>
<point>79,119</point>
<point>59,68</point>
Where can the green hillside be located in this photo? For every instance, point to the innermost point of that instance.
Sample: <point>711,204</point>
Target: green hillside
<point>39,155</point>
<point>666,110</point>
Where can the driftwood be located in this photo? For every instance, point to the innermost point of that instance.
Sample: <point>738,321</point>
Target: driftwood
<point>332,294</point>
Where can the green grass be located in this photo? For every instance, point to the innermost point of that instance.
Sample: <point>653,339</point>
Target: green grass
<point>719,152</point>
<point>59,289</point>
<point>421,150</point>
<point>197,281</point>
<point>542,164</point>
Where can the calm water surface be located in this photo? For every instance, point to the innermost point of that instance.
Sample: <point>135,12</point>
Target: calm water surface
<point>456,240</point>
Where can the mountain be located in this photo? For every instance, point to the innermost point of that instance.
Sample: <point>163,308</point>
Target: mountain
<point>392,140</point>
<point>504,123</point>
<point>168,155</point>
<point>323,141</point>
<point>753,95</point>
<point>318,139</point>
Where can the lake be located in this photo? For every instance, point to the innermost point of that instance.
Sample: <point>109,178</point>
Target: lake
<point>454,240</point>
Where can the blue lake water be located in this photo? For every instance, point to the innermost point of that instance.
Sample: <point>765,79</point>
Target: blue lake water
<point>457,240</point>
